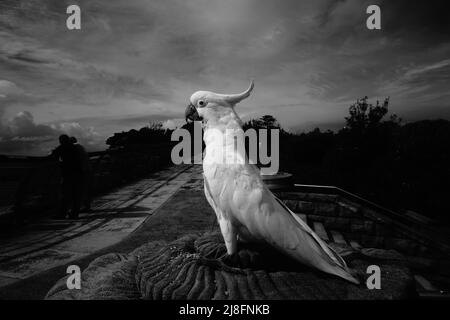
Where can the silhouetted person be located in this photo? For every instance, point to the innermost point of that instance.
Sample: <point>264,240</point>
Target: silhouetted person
<point>72,176</point>
<point>86,174</point>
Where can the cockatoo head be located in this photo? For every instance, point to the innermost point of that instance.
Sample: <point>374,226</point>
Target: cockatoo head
<point>207,106</point>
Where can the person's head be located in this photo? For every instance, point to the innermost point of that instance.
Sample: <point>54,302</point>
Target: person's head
<point>64,139</point>
<point>73,140</point>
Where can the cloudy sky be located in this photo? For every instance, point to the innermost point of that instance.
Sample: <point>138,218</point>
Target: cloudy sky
<point>136,61</point>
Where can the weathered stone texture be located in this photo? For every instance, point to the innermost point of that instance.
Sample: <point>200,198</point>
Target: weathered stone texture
<point>191,268</point>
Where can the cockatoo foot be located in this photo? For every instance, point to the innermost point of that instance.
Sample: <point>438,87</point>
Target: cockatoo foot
<point>231,260</point>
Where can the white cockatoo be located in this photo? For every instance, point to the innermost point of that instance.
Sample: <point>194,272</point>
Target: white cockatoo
<point>245,208</point>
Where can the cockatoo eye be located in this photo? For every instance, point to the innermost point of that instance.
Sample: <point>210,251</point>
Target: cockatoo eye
<point>201,103</point>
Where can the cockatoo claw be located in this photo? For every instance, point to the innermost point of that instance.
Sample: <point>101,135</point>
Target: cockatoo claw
<point>231,260</point>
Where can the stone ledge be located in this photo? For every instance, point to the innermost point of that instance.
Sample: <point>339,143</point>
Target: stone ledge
<point>189,268</point>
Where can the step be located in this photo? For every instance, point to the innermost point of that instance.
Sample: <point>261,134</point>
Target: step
<point>338,237</point>
<point>424,283</point>
<point>352,208</point>
<point>355,245</point>
<point>320,230</point>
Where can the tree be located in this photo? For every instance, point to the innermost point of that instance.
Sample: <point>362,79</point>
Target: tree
<point>153,134</point>
<point>265,122</point>
<point>269,122</point>
<point>364,115</point>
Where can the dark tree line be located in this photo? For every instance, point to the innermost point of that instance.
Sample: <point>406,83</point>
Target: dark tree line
<point>153,134</point>
<point>400,166</point>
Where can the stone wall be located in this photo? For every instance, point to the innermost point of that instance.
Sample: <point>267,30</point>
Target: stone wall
<point>357,222</point>
<point>191,268</point>
<point>372,229</point>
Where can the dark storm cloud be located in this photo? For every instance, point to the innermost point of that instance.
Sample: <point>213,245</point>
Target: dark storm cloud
<point>138,60</point>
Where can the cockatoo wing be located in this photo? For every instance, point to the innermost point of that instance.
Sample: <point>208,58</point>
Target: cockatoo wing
<point>266,218</point>
<point>330,251</point>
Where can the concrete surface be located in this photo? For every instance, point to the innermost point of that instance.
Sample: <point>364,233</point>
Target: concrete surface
<point>46,244</point>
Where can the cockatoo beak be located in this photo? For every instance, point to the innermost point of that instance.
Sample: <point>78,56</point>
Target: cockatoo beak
<point>192,114</point>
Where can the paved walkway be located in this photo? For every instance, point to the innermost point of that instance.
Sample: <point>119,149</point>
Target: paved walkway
<point>50,243</point>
